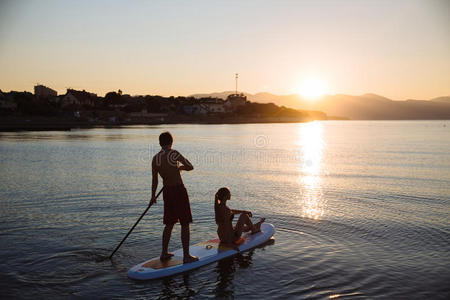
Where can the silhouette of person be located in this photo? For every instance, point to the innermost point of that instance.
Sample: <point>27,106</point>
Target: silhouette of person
<point>169,163</point>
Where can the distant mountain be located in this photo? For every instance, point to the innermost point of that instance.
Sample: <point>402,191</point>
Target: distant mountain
<point>441,99</point>
<point>222,95</point>
<point>363,107</point>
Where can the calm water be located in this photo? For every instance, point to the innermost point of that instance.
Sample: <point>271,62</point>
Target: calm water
<point>361,209</point>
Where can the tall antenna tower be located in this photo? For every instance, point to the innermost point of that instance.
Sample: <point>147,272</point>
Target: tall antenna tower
<point>237,76</point>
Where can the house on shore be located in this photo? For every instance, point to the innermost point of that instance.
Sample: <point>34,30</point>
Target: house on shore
<point>214,105</point>
<point>234,101</point>
<point>42,91</point>
<point>74,98</point>
<point>204,107</point>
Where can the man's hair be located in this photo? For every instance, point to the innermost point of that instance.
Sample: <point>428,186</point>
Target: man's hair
<point>165,139</point>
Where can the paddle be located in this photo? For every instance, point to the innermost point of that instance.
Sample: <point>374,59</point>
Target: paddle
<point>143,214</point>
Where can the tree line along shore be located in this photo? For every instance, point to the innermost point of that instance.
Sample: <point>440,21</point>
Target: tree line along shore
<point>45,110</point>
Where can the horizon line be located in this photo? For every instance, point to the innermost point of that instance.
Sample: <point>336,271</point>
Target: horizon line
<point>240,92</point>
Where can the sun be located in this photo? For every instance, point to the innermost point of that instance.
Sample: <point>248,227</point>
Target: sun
<point>312,88</point>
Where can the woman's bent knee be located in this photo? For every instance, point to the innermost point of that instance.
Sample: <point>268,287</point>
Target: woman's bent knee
<point>244,217</point>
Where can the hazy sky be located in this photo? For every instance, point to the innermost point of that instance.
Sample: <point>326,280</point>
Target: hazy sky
<point>396,48</point>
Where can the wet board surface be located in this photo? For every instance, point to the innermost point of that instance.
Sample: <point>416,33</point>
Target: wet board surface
<point>208,252</point>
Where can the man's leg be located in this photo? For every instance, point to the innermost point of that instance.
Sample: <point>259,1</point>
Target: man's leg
<point>185,241</point>
<point>165,242</point>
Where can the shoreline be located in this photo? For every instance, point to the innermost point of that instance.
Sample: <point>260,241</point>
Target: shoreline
<point>62,127</point>
<point>56,124</point>
<point>68,126</point>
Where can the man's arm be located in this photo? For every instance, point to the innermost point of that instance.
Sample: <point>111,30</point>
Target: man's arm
<point>185,164</point>
<point>154,181</point>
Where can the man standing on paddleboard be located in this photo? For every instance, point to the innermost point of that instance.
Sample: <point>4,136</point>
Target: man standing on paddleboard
<point>169,163</point>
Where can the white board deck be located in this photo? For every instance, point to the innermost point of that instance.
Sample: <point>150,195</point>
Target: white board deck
<point>207,252</point>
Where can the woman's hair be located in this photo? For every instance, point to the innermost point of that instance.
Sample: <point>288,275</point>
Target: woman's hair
<point>223,192</point>
<point>220,195</point>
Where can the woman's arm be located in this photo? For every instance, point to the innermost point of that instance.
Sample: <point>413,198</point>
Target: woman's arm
<point>237,211</point>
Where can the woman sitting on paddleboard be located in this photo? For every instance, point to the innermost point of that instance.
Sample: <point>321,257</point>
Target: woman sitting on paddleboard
<point>229,234</point>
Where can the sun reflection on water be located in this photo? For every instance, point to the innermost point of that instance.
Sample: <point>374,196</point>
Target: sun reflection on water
<point>310,141</point>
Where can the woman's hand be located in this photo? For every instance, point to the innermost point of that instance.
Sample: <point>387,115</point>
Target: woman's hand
<point>249,213</point>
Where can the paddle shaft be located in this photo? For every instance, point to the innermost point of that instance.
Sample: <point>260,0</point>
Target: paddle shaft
<point>143,214</point>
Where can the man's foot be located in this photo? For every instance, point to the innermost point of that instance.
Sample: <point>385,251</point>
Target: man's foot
<point>257,226</point>
<point>189,259</point>
<point>166,256</point>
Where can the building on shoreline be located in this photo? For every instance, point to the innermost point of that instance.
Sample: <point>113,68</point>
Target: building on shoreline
<point>205,107</point>
<point>234,101</point>
<point>44,92</point>
<point>78,98</point>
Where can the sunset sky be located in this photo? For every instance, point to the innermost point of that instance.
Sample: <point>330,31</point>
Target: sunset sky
<point>399,49</point>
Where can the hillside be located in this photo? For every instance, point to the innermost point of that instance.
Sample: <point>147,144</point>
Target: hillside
<point>363,107</point>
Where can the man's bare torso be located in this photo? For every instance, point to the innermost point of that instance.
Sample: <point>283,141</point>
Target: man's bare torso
<point>166,163</point>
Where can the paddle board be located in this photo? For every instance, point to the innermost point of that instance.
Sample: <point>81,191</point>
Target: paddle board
<point>207,252</point>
